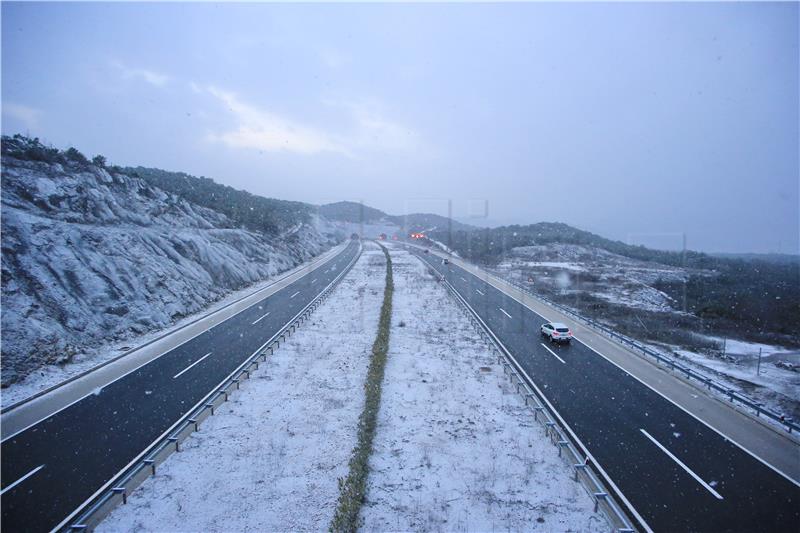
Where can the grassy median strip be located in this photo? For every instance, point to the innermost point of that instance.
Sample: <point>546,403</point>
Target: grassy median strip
<point>352,489</point>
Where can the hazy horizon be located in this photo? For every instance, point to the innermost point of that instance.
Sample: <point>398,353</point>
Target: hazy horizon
<point>639,122</point>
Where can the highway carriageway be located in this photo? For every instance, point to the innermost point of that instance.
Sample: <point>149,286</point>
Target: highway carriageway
<point>55,465</point>
<point>675,472</point>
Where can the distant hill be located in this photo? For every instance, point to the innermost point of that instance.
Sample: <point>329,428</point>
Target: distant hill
<point>355,212</point>
<point>352,212</point>
<point>788,259</point>
<point>751,295</point>
<point>486,244</point>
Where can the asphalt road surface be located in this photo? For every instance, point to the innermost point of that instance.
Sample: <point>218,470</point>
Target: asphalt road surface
<point>51,468</point>
<point>676,472</point>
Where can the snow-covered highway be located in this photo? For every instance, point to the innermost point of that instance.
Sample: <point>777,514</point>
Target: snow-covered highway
<point>56,465</point>
<point>674,470</point>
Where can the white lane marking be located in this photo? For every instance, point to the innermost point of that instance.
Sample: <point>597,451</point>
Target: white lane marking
<point>697,478</point>
<point>314,265</point>
<point>685,410</point>
<point>23,478</point>
<point>293,295</point>
<point>479,292</point>
<point>175,425</point>
<point>722,434</point>
<point>313,281</point>
<point>465,279</point>
<point>190,366</point>
<point>262,317</point>
<point>554,353</point>
<point>504,312</point>
<point>563,422</point>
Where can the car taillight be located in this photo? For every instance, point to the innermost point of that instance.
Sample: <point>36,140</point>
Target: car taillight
<point>569,333</point>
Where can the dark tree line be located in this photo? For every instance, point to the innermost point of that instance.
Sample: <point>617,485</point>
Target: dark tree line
<point>750,297</point>
<point>254,212</point>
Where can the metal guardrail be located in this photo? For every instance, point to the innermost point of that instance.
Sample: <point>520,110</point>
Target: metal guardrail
<point>597,483</point>
<point>733,396</point>
<point>299,268</point>
<point>116,491</point>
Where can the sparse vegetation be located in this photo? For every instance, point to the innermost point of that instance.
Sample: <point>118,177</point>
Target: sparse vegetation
<point>753,299</point>
<point>252,211</point>
<point>352,489</point>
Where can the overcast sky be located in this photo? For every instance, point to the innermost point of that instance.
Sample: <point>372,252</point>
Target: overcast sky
<point>639,122</point>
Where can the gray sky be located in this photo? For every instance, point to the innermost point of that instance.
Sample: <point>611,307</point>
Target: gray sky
<point>636,121</point>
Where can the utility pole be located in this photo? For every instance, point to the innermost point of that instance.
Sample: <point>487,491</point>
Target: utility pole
<point>758,368</point>
<point>684,273</point>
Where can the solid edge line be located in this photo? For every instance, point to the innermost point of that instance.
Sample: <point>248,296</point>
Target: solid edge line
<point>708,425</point>
<point>504,312</point>
<point>689,471</point>
<point>566,426</point>
<point>20,480</point>
<point>29,426</point>
<point>147,448</point>
<point>318,262</point>
<point>190,366</point>
<point>552,352</point>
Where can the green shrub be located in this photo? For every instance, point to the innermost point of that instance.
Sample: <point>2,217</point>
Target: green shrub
<point>352,489</point>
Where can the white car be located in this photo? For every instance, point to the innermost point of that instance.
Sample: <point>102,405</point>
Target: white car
<point>556,332</point>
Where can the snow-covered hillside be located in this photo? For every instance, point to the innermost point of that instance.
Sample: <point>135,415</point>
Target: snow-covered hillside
<point>92,256</point>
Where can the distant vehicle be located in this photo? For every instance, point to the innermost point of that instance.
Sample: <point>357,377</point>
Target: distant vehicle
<point>425,251</point>
<point>354,236</point>
<point>445,261</point>
<point>382,236</point>
<point>556,332</point>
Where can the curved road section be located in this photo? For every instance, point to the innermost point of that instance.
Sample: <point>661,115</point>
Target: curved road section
<point>52,467</point>
<point>677,473</point>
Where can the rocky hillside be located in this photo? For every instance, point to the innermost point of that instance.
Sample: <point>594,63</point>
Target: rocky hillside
<point>92,254</point>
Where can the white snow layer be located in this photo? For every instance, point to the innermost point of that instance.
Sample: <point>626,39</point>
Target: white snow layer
<point>91,258</point>
<point>270,458</point>
<point>456,449</point>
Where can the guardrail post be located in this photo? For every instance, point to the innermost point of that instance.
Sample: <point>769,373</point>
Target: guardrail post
<point>561,445</point>
<point>193,421</point>
<point>580,467</point>
<point>152,464</point>
<point>536,410</point>
<point>597,497</point>
<point>121,490</point>
<point>175,441</point>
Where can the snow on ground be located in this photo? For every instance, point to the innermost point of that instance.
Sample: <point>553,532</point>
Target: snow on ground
<point>444,247</point>
<point>49,376</point>
<point>456,449</point>
<point>571,267</point>
<point>92,257</point>
<point>270,458</point>
<point>777,388</point>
